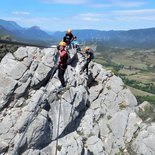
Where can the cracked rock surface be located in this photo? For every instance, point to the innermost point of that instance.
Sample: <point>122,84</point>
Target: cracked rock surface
<point>93,115</point>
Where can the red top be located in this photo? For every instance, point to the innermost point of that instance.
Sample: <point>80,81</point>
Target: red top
<point>63,57</point>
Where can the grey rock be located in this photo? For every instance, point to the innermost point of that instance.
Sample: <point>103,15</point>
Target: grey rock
<point>27,75</point>
<point>95,68</point>
<point>86,126</point>
<point>98,119</point>
<point>39,136</point>
<point>31,152</point>
<point>27,61</point>
<point>7,56</point>
<point>95,145</point>
<point>144,107</point>
<point>6,124</point>
<point>34,66</point>
<point>40,74</point>
<point>7,137</point>
<point>3,146</point>
<point>7,87</point>
<point>20,102</point>
<point>73,146</point>
<point>118,123</point>
<point>21,53</point>
<point>22,121</point>
<point>28,111</point>
<point>129,98</point>
<point>115,84</point>
<point>104,130</point>
<point>32,51</point>
<point>50,149</point>
<point>21,90</point>
<point>133,124</point>
<point>12,68</point>
<point>48,58</point>
<point>53,84</point>
<point>145,141</point>
<point>95,92</point>
<point>35,100</point>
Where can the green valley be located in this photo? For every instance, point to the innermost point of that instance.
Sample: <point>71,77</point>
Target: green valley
<point>135,66</point>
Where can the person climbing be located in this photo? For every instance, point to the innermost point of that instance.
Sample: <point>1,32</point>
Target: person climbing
<point>75,44</point>
<point>89,55</point>
<point>68,38</point>
<point>62,64</point>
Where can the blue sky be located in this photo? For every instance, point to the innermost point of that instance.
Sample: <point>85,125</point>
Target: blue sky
<point>80,14</point>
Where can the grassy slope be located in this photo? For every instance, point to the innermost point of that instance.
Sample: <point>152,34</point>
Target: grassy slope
<point>138,92</point>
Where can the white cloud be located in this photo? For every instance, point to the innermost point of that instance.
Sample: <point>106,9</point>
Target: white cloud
<point>91,17</point>
<point>117,3</point>
<point>103,4</point>
<point>133,16</point>
<point>98,5</point>
<point>106,19</point>
<point>135,12</point>
<point>23,13</point>
<point>123,3</point>
<point>67,1</point>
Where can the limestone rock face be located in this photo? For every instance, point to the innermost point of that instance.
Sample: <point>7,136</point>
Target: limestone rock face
<point>145,141</point>
<point>93,115</point>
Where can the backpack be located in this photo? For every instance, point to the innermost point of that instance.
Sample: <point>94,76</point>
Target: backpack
<point>92,54</point>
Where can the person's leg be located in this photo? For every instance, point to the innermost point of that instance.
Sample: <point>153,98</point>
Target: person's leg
<point>61,73</point>
<point>78,48</point>
<point>86,67</point>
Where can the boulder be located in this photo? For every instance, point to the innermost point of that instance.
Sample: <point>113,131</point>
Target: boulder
<point>7,87</point>
<point>21,53</point>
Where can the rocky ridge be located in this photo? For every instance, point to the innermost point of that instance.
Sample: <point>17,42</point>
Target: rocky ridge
<point>95,115</point>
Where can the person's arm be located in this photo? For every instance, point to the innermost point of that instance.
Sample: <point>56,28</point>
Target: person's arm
<point>72,44</point>
<point>87,56</point>
<point>64,38</point>
<point>72,38</point>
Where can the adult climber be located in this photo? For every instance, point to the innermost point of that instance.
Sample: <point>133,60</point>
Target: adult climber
<point>89,55</point>
<point>68,38</point>
<point>62,64</point>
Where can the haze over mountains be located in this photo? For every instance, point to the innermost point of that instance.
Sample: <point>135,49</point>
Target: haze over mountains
<point>140,38</point>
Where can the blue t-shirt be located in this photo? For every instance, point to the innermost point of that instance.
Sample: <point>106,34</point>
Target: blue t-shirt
<point>75,42</point>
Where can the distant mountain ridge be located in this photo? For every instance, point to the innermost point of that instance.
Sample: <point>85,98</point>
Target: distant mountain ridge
<point>140,38</point>
<point>3,31</point>
<point>10,25</point>
<point>23,34</point>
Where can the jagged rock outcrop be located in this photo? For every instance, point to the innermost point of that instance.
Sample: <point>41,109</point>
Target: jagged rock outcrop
<point>95,115</point>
